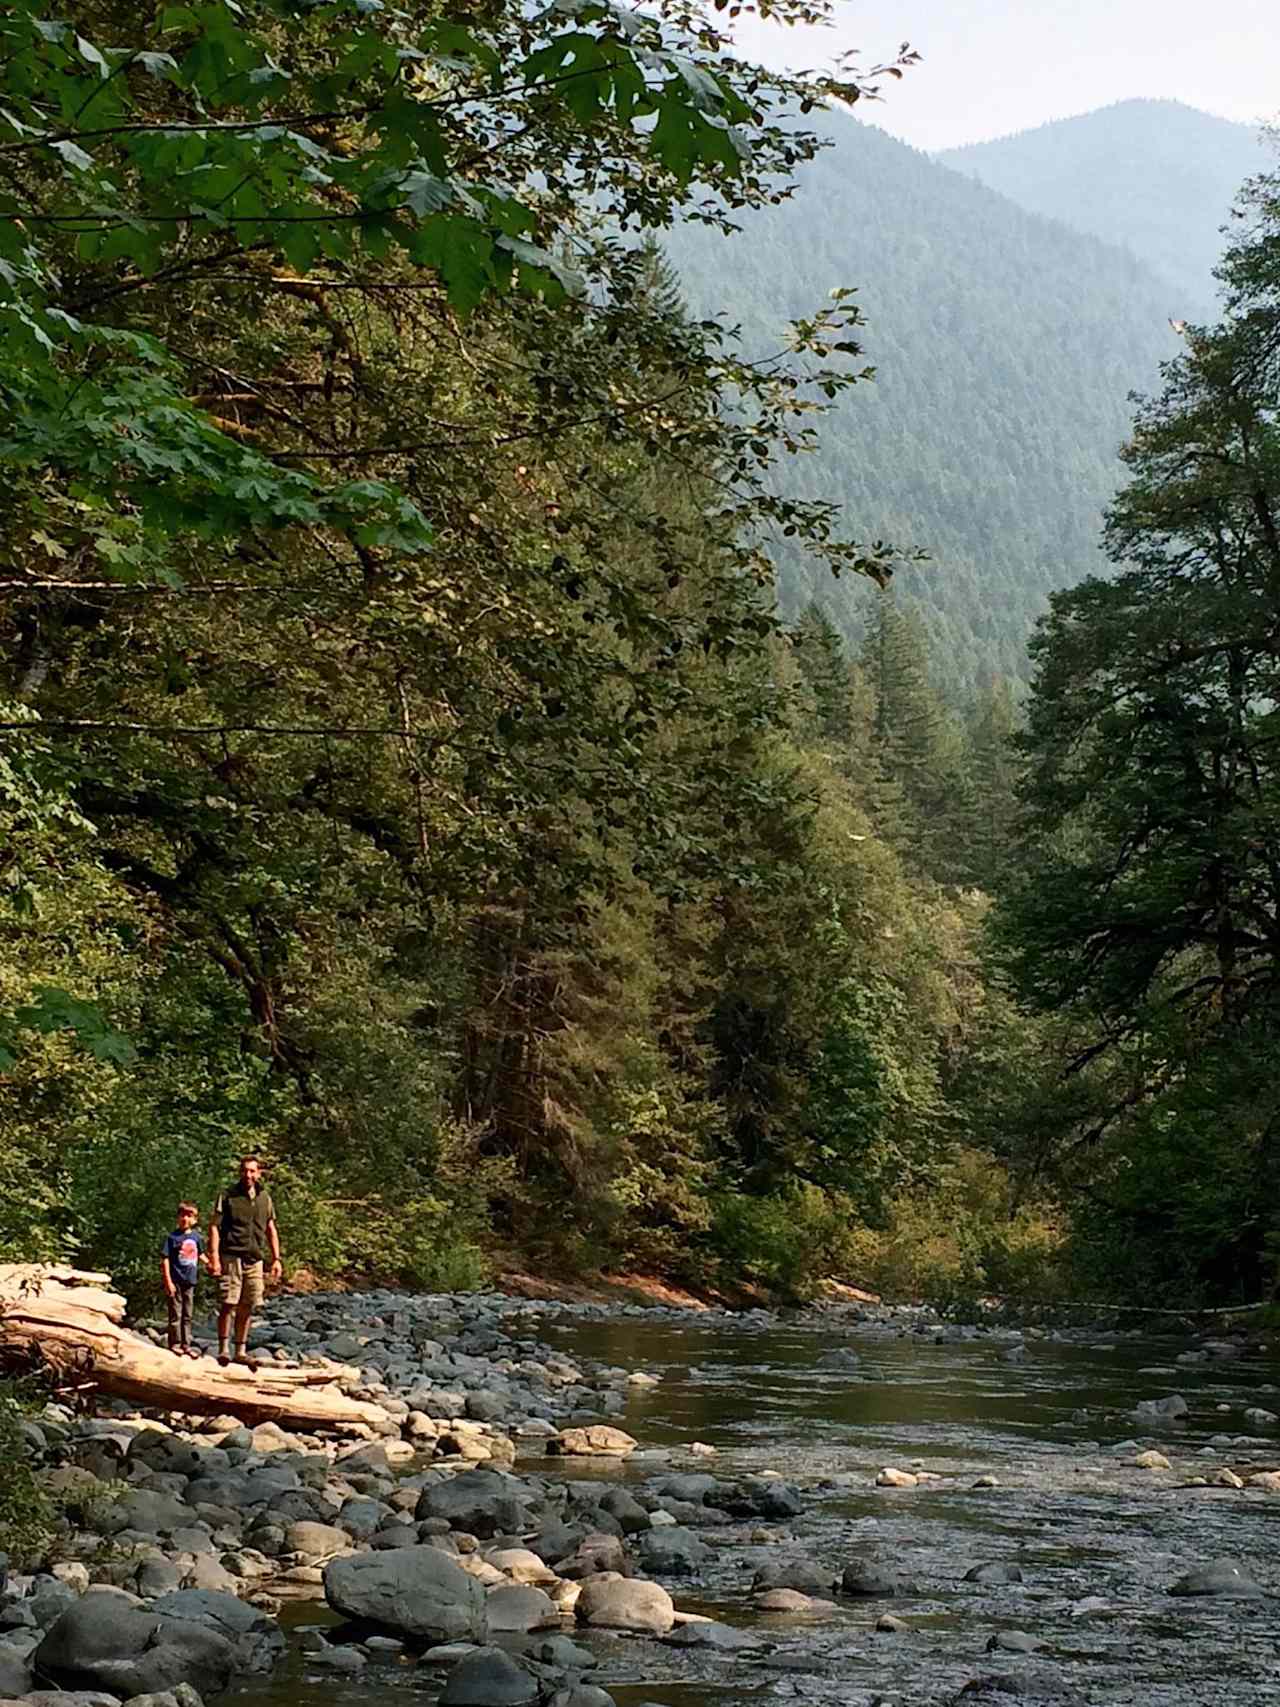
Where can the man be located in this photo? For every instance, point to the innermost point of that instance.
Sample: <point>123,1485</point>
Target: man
<point>242,1229</point>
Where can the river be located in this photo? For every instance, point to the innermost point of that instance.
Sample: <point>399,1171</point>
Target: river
<point>1098,1540</point>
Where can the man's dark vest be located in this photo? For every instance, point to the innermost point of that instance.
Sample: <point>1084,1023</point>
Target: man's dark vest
<point>242,1222</point>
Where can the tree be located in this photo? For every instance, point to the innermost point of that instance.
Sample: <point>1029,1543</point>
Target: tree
<point>992,769</point>
<point>916,738</point>
<point>1149,907</point>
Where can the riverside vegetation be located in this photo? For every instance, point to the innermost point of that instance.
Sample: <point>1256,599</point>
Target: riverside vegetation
<point>405,771</point>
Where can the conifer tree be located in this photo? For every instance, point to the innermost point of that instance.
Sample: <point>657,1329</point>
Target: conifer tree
<point>916,737</point>
<point>1149,909</point>
<point>992,767</point>
<point>820,654</point>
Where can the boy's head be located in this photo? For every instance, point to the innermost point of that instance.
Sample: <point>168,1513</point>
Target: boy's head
<point>188,1215</point>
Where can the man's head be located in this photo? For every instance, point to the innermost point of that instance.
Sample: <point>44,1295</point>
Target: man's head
<point>250,1172</point>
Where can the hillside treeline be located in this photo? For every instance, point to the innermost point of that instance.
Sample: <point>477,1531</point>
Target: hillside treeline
<point>404,772</point>
<point>1004,345</point>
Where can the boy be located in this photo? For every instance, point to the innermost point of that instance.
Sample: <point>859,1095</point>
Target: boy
<point>183,1254</point>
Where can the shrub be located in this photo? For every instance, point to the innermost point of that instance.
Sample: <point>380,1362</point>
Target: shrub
<point>965,1239</point>
<point>786,1242</point>
<point>26,1512</point>
<point>424,1229</point>
<point>663,1135</point>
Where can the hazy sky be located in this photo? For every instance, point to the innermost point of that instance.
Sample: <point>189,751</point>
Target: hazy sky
<point>994,66</point>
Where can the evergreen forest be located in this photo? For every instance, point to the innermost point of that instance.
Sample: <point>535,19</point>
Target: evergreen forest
<point>1155,177</point>
<point>476,728</point>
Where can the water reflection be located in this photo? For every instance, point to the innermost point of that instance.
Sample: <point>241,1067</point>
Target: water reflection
<point>1098,1540</point>
<point>760,1394</point>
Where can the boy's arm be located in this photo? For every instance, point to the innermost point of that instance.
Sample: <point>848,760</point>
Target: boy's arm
<point>165,1276</point>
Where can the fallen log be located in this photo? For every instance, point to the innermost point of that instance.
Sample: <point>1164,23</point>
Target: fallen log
<point>71,1322</point>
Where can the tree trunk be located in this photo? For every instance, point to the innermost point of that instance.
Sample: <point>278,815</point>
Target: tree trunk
<point>72,1322</point>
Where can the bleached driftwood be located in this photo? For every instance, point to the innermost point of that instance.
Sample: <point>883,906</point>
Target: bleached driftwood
<point>72,1321</point>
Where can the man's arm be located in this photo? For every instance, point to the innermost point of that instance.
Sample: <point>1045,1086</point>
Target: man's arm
<point>273,1239</point>
<point>215,1266</point>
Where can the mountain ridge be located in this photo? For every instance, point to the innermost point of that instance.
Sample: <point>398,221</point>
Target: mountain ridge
<point>1006,346</point>
<point>1128,173</point>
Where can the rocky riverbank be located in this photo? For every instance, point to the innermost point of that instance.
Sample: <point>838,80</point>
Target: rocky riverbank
<point>495,1540</point>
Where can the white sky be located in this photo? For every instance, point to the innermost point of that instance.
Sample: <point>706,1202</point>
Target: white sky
<point>995,66</point>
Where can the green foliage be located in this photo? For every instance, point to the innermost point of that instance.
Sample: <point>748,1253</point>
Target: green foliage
<point>409,774</point>
<point>964,1238</point>
<point>785,1242</point>
<point>1004,348</point>
<point>1145,909</point>
<point>407,1238</point>
<point>667,1134</point>
<point>26,1512</point>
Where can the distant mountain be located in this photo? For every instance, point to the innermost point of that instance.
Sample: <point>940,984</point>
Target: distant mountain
<point>1006,346</point>
<point>1157,177</point>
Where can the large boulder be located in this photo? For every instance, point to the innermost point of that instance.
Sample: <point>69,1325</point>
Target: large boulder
<point>479,1502</point>
<point>674,1552</point>
<point>868,1581</point>
<point>1172,1408</point>
<point>165,1452</point>
<point>694,1487</point>
<point>622,1505</point>
<point>412,1591</point>
<point>596,1440</point>
<point>994,1575</point>
<point>596,1553</point>
<point>620,1603</point>
<point>258,1641</point>
<point>806,1576</point>
<point>581,1695</point>
<point>1220,1577</point>
<point>721,1638</point>
<point>15,1672</point>
<point>521,1565</point>
<point>316,1541</point>
<point>489,1678</point>
<point>762,1497</point>
<point>519,1607</point>
<point>147,1512</point>
<point>72,1698</point>
<point>108,1641</point>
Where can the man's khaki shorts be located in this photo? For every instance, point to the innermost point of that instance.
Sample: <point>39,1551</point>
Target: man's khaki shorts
<point>241,1282</point>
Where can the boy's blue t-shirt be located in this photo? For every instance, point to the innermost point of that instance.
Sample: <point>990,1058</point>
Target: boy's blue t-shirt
<point>182,1253</point>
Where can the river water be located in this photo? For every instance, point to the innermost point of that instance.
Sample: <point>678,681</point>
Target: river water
<point>1098,1540</point>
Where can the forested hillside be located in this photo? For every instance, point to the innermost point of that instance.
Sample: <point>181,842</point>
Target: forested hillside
<point>1156,177</point>
<point>1005,347</point>
<point>403,770</point>
<point>407,774</point>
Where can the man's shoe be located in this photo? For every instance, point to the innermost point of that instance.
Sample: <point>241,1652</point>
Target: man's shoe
<point>224,1358</point>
